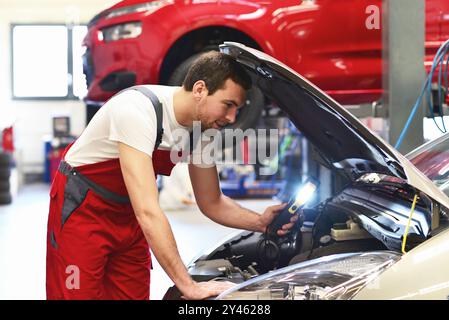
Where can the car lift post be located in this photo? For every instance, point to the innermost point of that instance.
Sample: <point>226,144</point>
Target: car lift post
<point>403,36</point>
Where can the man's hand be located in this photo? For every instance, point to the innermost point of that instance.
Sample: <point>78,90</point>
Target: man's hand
<point>203,290</point>
<point>271,212</point>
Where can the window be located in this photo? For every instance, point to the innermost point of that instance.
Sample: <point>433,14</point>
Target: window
<point>79,80</point>
<point>46,62</point>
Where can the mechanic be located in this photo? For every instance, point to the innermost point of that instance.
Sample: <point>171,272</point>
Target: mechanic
<point>104,211</point>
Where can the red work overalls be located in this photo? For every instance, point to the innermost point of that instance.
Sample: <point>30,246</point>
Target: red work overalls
<point>95,246</point>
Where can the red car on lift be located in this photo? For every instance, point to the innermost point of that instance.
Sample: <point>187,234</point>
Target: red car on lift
<point>336,44</point>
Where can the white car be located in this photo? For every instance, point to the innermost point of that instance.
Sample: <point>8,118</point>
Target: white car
<point>381,235</point>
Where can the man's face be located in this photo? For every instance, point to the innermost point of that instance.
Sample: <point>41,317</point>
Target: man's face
<point>219,109</point>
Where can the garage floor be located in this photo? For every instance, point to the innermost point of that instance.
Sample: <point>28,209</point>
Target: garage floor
<point>23,232</point>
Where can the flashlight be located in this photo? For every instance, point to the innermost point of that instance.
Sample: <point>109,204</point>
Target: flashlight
<point>299,199</point>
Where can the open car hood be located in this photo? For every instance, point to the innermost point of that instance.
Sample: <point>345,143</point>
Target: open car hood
<point>341,138</point>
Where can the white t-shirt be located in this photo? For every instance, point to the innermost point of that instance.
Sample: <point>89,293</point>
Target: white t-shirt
<point>130,118</point>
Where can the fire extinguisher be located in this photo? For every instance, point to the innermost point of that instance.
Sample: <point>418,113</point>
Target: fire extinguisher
<point>7,140</point>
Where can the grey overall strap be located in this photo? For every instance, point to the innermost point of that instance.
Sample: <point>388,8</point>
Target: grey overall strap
<point>157,108</point>
<point>81,181</point>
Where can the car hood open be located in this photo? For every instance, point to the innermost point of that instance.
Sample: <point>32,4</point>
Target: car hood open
<point>341,138</point>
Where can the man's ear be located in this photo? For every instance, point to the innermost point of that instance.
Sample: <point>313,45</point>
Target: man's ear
<point>199,89</point>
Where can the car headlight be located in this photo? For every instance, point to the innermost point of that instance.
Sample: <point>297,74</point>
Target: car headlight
<point>147,7</point>
<point>121,31</point>
<point>339,276</point>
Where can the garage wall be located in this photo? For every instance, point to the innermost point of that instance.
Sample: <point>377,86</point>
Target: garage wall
<point>33,119</point>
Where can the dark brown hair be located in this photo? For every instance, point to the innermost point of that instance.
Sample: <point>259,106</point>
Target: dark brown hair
<point>214,68</point>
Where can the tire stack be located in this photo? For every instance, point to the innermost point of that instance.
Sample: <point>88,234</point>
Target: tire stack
<point>5,173</point>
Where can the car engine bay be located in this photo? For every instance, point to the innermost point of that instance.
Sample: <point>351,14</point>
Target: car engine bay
<point>361,217</point>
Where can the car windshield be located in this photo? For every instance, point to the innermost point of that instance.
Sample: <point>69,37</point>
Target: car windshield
<point>433,160</point>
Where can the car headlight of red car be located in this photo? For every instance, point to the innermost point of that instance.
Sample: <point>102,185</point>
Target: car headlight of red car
<point>121,31</point>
